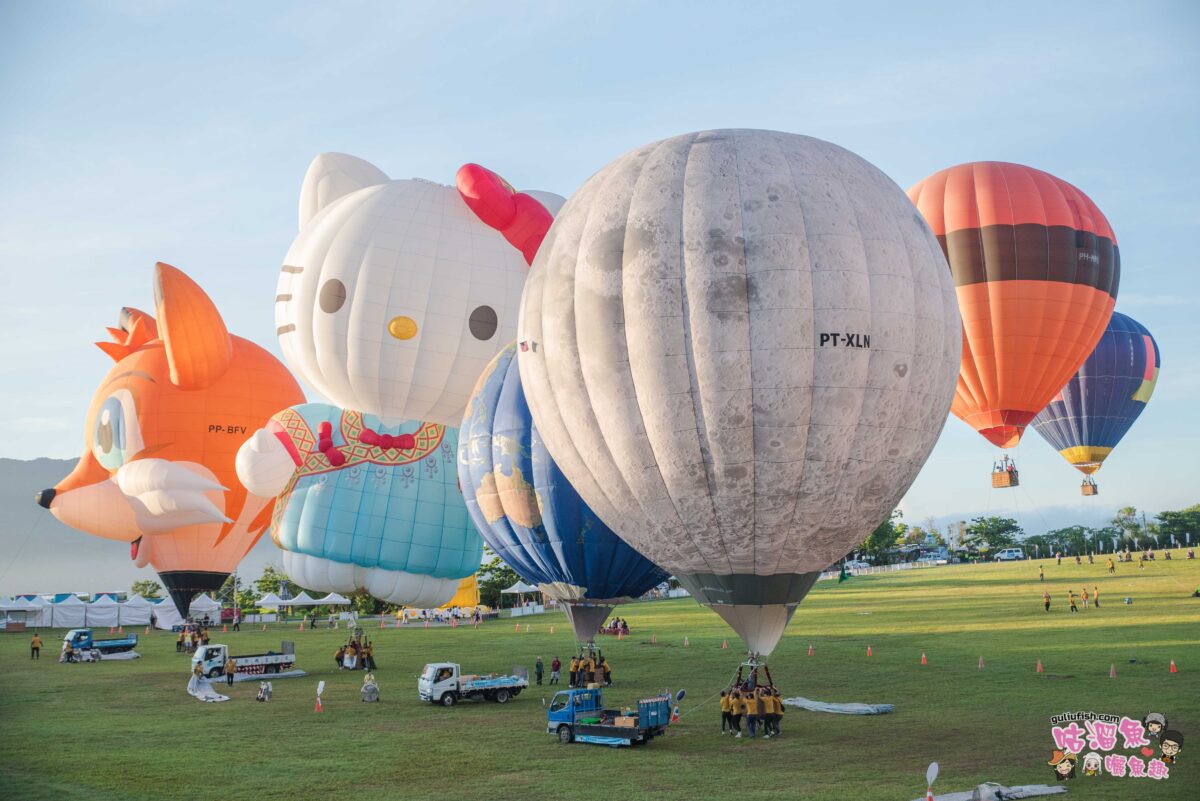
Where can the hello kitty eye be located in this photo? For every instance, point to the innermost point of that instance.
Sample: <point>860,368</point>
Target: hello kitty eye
<point>483,323</point>
<point>333,296</point>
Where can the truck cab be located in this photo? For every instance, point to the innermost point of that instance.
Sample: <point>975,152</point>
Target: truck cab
<point>438,679</point>
<point>211,659</point>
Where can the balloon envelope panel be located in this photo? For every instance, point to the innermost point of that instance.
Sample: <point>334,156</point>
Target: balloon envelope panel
<point>1100,403</point>
<point>526,509</point>
<point>1036,268</point>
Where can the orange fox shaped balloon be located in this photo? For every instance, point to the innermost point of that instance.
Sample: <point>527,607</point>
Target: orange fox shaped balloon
<point>162,433</point>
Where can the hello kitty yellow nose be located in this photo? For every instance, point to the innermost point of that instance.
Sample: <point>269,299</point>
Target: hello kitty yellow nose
<point>402,327</point>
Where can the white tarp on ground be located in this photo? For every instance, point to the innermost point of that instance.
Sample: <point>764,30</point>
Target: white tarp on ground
<point>102,612</point>
<point>839,709</point>
<point>998,792</point>
<point>202,689</point>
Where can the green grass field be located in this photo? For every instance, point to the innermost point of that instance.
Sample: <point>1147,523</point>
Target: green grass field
<point>128,730</point>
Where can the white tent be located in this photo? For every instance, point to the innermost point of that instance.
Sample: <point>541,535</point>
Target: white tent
<point>269,601</point>
<point>103,611</point>
<point>68,612</point>
<point>166,616</point>
<point>519,588</point>
<point>333,599</point>
<point>136,612</point>
<point>37,611</point>
<point>303,599</point>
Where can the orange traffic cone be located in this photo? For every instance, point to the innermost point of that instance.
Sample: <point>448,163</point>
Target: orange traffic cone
<point>922,658</point>
<point>516,628</point>
<point>620,635</point>
<point>1039,667</point>
<point>868,650</point>
<point>685,642</point>
<point>120,629</point>
<point>1112,670</point>
<point>300,627</point>
<point>224,628</point>
<point>929,794</point>
<point>382,621</point>
<point>810,649</point>
<point>110,629</point>
<point>318,707</point>
<point>724,645</point>
<point>552,629</point>
<point>675,715</point>
<point>981,663</point>
<point>147,629</point>
<point>1173,668</point>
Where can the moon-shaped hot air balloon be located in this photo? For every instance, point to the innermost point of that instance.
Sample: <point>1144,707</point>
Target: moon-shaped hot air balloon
<point>740,347</point>
<point>1036,268</point>
<point>1100,403</point>
<point>531,515</point>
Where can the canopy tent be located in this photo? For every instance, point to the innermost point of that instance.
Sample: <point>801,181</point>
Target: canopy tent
<point>519,588</point>
<point>303,599</point>
<point>136,612</point>
<point>166,616</point>
<point>269,601</point>
<point>68,612</point>
<point>103,611</point>
<point>334,599</point>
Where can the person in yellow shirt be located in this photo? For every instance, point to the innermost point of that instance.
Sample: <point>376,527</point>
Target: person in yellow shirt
<point>1084,597</point>
<point>574,671</point>
<point>726,720</point>
<point>35,647</point>
<point>737,708</point>
<point>607,673</point>
<point>1096,597</point>
<point>1071,600</point>
<point>778,710</point>
<point>591,670</point>
<point>179,642</point>
<point>230,670</point>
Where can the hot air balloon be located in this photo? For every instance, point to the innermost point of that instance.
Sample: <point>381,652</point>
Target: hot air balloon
<point>530,514</point>
<point>391,300</point>
<point>1096,408</point>
<point>740,346</point>
<point>162,434</point>
<point>1036,267</point>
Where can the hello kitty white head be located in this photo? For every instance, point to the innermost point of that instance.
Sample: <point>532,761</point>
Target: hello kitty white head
<point>396,294</point>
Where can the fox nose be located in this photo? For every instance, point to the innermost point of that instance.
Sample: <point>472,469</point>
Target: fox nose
<point>45,497</point>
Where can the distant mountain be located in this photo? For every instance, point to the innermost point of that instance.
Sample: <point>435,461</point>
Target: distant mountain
<point>38,554</point>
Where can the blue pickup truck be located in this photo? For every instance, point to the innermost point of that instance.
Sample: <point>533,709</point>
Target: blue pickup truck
<point>579,716</point>
<point>82,640</point>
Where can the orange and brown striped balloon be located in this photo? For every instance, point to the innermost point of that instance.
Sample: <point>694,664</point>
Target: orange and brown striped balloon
<point>1036,268</point>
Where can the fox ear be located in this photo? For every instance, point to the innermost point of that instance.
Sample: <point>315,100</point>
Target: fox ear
<point>335,175</point>
<point>199,349</point>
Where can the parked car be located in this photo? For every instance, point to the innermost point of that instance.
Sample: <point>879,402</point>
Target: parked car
<point>931,559</point>
<point>1010,555</point>
<point>857,564</point>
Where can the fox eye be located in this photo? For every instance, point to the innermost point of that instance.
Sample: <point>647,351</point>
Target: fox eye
<point>116,437</point>
<point>483,323</point>
<point>333,296</point>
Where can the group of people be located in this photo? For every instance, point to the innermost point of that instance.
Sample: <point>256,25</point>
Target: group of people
<point>1073,599</point>
<point>760,707</point>
<point>191,637</point>
<point>356,655</point>
<point>583,669</point>
<point>616,626</point>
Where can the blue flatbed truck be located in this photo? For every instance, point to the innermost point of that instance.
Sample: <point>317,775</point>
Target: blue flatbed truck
<point>579,716</point>
<point>82,640</point>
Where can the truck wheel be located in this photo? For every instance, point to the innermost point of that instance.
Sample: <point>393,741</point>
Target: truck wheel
<point>212,674</point>
<point>449,699</point>
<point>502,696</point>
<point>564,734</point>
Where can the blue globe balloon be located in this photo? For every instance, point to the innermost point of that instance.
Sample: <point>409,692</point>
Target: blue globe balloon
<point>530,514</point>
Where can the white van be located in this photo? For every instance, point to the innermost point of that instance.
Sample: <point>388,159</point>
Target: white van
<point>1010,555</point>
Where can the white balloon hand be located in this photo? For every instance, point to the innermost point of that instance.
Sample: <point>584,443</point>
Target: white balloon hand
<point>264,465</point>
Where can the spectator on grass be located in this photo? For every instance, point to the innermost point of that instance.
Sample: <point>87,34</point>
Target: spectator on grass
<point>538,669</point>
<point>35,647</point>
<point>1041,573</point>
<point>1046,599</point>
<point>1071,600</point>
<point>555,667</point>
<point>1084,597</point>
<point>1112,568</point>
<point>1096,596</point>
<point>230,669</point>
<point>339,655</point>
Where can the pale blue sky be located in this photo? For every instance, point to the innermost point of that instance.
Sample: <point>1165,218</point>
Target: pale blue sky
<point>143,131</point>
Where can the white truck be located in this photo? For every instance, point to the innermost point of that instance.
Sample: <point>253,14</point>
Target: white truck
<point>212,658</point>
<point>444,683</point>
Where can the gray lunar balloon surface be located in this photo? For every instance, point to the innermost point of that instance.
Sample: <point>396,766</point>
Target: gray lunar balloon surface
<point>740,346</point>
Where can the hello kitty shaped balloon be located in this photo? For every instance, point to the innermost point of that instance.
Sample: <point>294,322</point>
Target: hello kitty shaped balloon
<point>396,294</point>
<point>391,301</point>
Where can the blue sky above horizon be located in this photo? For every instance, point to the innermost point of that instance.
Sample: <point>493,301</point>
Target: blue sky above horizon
<point>134,132</point>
